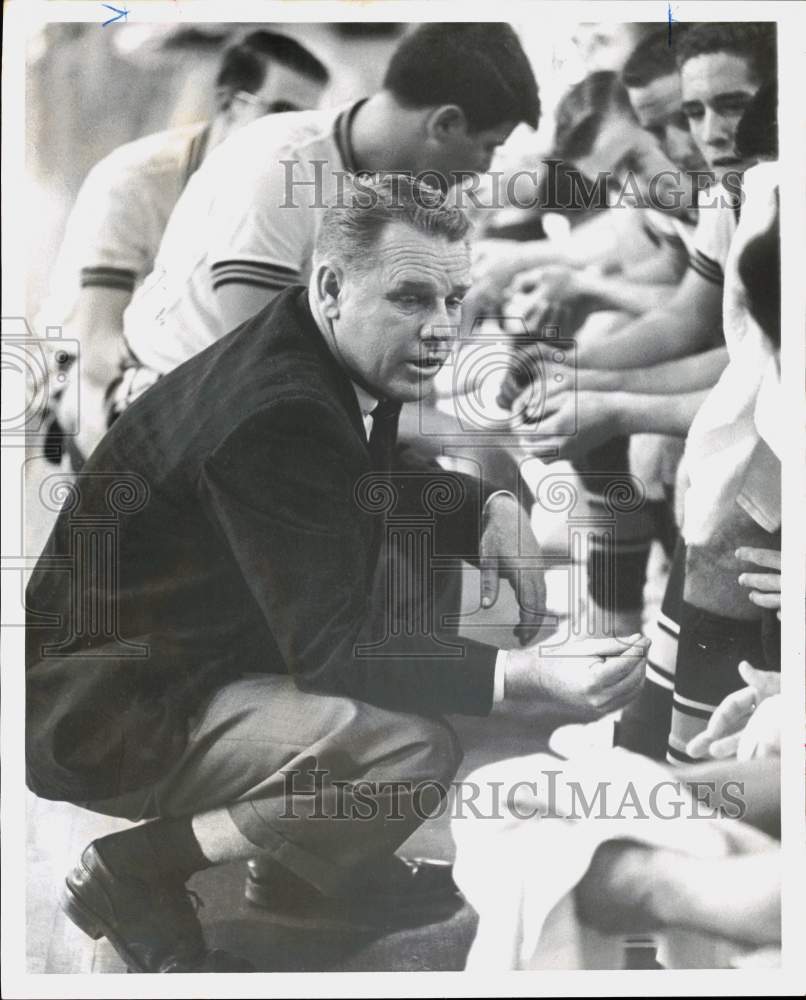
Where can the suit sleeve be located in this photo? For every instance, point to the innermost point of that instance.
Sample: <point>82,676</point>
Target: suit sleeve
<point>280,489</point>
<point>458,532</point>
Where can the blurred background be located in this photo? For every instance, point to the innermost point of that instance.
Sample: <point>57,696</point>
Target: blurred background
<point>89,91</point>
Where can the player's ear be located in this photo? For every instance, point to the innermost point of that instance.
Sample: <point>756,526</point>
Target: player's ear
<point>448,121</point>
<point>328,284</point>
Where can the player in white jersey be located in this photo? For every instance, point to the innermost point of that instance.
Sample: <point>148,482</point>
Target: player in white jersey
<point>119,217</point>
<point>248,218</point>
<point>245,226</point>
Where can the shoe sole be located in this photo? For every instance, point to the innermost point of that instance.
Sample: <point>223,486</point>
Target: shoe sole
<point>96,927</point>
<point>93,926</point>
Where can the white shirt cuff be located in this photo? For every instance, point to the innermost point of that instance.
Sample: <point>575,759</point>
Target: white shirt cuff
<point>498,682</point>
<point>497,493</point>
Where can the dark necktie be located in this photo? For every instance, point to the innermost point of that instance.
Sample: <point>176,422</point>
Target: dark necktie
<point>383,434</point>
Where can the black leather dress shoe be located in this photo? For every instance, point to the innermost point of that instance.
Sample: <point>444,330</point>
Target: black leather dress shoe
<point>398,894</point>
<point>152,925</point>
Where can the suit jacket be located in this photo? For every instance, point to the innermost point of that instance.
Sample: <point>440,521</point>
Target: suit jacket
<point>220,523</point>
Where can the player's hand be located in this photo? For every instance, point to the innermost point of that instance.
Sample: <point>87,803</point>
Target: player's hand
<point>507,553</point>
<point>591,676</point>
<point>82,410</point>
<point>498,258</point>
<point>720,738</point>
<point>761,737</point>
<point>765,588</point>
<point>535,292</point>
<point>572,422</point>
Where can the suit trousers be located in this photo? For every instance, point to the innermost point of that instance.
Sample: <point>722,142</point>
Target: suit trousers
<point>323,784</point>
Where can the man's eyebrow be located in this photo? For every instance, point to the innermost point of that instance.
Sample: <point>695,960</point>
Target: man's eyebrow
<point>731,95</point>
<point>414,284</point>
<point>424,285</point>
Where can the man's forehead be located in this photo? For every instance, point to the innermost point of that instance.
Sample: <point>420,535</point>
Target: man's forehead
<point>406,254</point>
<point>714,73</point>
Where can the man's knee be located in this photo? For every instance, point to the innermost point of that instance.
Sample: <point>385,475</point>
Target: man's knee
<point>444,752</point>
<point>417,746</point>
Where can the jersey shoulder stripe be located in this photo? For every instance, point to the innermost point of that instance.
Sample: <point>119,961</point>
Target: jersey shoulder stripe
<point>253,272</point>
<point>108,277</point>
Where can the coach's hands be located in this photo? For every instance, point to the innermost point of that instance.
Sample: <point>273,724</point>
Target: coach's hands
<point>590,676</point>
<point>502,553</point>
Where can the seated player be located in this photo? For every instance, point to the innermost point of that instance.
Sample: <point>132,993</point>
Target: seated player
<point>119,217</point>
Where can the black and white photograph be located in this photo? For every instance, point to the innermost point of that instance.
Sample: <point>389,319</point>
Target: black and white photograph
<point>403,480</point>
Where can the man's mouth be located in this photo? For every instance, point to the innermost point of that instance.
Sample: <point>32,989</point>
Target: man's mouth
<point>429,363</point>
<point>727,161</point>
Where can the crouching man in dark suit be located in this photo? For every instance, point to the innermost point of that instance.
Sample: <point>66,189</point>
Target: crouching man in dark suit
<point>223,670</point>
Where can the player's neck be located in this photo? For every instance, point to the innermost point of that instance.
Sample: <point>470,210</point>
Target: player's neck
<point>383,133</point>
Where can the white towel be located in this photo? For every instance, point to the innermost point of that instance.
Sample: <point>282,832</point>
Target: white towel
<point>519,873</point>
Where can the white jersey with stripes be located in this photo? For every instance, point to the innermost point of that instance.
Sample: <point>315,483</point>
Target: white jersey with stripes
<point>248,216</point>
<point>115,227</point>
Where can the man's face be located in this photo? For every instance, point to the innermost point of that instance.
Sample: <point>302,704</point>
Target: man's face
<point>397,321</point>
<point>283,89</point>
<point>627,154</point>
<point>716,89</point>
<point>460,152</point>
<point>659,109</point>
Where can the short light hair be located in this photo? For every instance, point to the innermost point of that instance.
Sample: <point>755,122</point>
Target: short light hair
<point>351,227</point>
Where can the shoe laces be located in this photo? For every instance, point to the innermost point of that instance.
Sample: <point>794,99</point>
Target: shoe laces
<point>181,901</point>
<point>195,900</point>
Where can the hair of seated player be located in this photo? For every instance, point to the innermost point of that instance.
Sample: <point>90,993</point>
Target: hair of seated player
<point>753,41</point>
<point>652,58</point>
<point>351,228</point>
<point>244,64</point>
<point>757,132</point>
<point>760,272</point>
<point>582,110</point>
<point>480,67</point>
